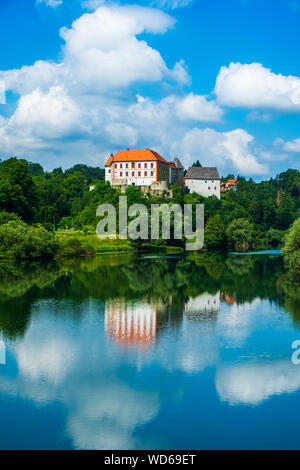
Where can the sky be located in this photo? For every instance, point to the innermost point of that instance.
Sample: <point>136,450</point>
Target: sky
<point>213,81</point>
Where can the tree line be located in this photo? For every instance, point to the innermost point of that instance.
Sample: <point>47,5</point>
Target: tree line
<point>254,215</point>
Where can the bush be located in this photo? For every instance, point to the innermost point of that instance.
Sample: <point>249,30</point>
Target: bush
<point>18,240</point>
<point>72,247</point>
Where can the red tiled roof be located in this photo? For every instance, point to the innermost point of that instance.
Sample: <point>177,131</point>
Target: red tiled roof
<point>109,161</point>
<point>138,155</point>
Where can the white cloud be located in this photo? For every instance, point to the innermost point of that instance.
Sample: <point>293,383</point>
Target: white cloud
<point>198,108</point>
<point>222,149</point>
<point>254,86</point>
<point>292,146</point>
<point>88,104</point>
<point>46,115</point>
<point>50,3</point>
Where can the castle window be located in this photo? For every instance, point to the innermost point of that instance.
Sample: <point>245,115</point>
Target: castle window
<point>151,165</point>
<point>121,174</point>
<point>145,165</point>
<point>151,173</point>
<point>208,187</point>
<point>139,173</point>
<point>121,165</point>
<point>126,173</point>
<point>139,165</point>
<point>132,164</point>
<point>132,174</point>
<point>126,165</point>
<point>145,173</point>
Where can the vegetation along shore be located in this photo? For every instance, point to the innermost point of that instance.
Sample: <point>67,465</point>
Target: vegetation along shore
<point>53,214</point>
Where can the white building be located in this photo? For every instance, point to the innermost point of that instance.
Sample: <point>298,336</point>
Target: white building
<point>137,167</point>
<point>203,180</point>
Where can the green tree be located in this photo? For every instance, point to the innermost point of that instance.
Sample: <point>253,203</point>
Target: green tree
<point>291,249</point>
<point>214,234</point>
<point>17,189</point>
<point>240,233</point>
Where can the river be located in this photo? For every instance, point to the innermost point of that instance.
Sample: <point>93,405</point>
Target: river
<point>149,352</point>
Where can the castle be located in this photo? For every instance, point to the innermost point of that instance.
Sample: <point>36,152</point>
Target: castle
<point>153,174</point>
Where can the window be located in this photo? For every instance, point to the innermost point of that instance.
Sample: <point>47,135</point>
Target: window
<point>205,181</point>
<point>212,181</point>
<point>151,165</point>
<point>139,165</point>
<point>121,165</point>
<point>132,164</point>
<point>145,165</point>
<point>208,187</point>
<point>121,174</point>
<point>145,173</point>
<point>109,171</point>
<point>151,173</point>
<point>139,173</point>
<point>132,174</point>
<point>215,188</point>
<point>126,173</point>
<point>126,165</point>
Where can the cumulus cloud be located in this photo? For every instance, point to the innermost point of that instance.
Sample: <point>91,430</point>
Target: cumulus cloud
<point>254,86</point>
<point>88,103</point>
<point>222,149</point>
<point>198,108</point>
<point>292,146</point>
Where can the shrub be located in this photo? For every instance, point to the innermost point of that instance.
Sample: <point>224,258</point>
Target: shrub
<point>72,247</point>
<point>18,240</point>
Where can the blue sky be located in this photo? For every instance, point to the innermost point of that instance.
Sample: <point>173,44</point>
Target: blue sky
<point>210,80</point>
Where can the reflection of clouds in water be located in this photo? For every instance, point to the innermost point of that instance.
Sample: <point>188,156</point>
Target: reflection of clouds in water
<point>53,367</point>
<point>254,382</point>
<point>105,417</point>
<point>67,359</point>
<point>235,322</point>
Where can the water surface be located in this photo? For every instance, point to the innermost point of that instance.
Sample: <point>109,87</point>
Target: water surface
<point>134,352</point>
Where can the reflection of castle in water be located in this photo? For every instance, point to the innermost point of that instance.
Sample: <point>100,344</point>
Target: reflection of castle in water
<point>130,323</point>
<point>139,323</point>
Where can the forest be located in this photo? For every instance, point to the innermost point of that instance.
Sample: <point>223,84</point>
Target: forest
<point>35,203</point>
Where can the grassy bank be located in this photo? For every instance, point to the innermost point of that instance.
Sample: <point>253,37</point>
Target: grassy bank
<point>79,243</point>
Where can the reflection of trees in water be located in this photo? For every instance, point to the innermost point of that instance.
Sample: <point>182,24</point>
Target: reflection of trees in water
<point>167,283</point>
<point>19,284</point>
<point>291,292</point>
<point>239,265</point>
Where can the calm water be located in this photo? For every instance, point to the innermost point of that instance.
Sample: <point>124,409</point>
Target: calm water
<point>133,352</point>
